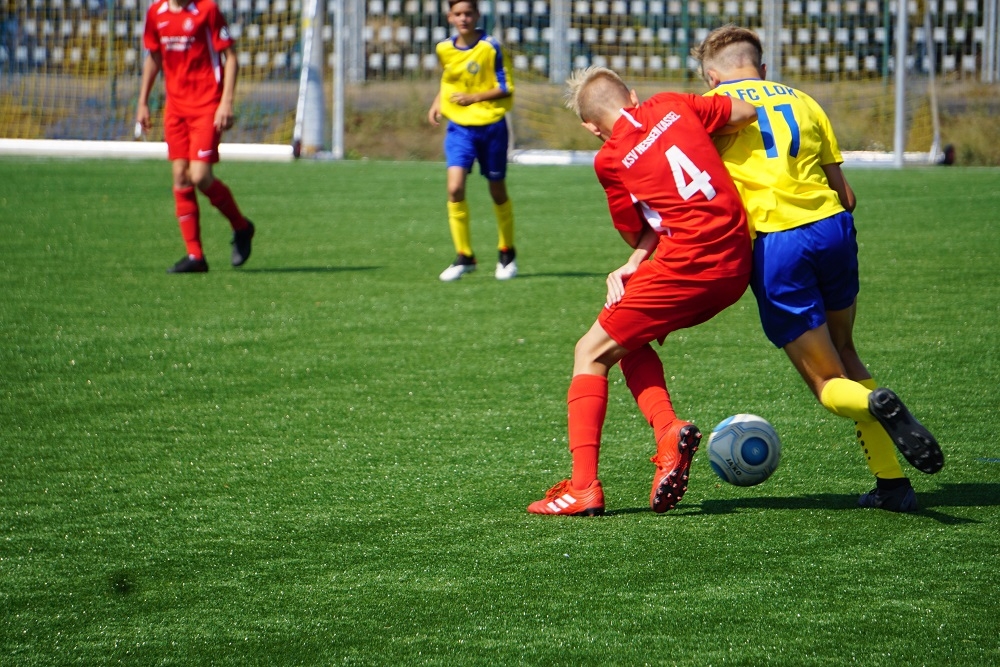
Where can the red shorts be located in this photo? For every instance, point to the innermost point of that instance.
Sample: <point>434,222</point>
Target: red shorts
<point>191,136</point>
<point>657,302</point>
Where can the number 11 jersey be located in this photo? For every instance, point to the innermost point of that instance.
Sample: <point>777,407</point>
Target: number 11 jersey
<point>777,162</point>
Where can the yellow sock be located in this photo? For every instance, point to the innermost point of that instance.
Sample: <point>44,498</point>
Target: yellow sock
<point>505,225</point>
<point>458,221</point>
<point>880,452</point>
<point>846,398</point>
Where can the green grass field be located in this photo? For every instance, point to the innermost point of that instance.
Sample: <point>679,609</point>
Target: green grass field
<point>325,457</point>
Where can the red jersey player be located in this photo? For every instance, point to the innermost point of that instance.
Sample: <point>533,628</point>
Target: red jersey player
<point>190,42</point>
<point>668,192</point>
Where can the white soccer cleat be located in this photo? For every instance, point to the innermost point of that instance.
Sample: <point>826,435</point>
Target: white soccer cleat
<point>458,268</point>
<point>506,272</point>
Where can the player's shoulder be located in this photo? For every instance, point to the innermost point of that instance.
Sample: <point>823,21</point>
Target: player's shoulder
<point>158,7</point>
<point>490,41</point>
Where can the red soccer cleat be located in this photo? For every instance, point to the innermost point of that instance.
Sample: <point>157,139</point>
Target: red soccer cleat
<point>673,467</point>
<point>564,499</point>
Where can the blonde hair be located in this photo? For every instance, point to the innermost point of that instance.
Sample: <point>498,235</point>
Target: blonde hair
<point>593,90</point>
<point>728,48</point>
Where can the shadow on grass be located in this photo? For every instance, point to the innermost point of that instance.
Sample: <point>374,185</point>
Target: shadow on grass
<point>970,494</point>
<point>311,269</point>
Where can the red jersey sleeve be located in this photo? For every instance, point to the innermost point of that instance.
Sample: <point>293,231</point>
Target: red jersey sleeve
<point>150,35</point>
<point>713,112</point>
<point>221,40</point>
<point>624,214</point>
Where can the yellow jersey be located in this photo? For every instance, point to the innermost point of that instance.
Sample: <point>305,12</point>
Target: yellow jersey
<point>474,69</point>
<point>777,161</point>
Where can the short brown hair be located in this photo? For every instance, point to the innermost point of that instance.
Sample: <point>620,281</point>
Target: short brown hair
<point>474,3</point>
<point>728,47</point>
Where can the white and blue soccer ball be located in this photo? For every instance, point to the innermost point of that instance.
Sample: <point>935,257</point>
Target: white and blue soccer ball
<point>744,450</point>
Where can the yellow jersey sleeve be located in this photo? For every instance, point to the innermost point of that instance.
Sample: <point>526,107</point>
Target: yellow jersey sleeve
<point>777,162</point>
<point>474,70</point>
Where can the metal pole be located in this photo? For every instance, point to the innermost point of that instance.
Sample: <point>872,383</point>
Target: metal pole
<point>559,65</point>
<point>339,70</point>
<point>772,38</point>
<point>899,141</point>
<point>990,46</point>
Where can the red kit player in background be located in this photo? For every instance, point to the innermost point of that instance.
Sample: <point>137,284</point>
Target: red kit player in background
<point>668,192</point>
<point>190,42</point>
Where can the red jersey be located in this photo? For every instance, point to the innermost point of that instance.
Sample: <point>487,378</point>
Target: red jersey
<point>189,42</point>
<point>661,166</point>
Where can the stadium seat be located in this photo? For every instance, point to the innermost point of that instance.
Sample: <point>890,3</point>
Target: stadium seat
<point>393,61</point>
<point>609,36</point>
<point>376,8</point>
<point>393,8</point>
<point>521,8</point>
<point>520,62</point>
<point>430,62</point>
<point>600,7</point>
<point>540,63</point>
<point>655,63</point>
<point>411,61</point>
<point>581,8</point>
<point>530,35</point>
<point>831,64</point>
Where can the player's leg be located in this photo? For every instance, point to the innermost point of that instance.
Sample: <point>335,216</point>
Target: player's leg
<point>175,132</point>
<point>205,153</point>
<point>587,404</point>
<point>459,153</point>
<point>493,162</point>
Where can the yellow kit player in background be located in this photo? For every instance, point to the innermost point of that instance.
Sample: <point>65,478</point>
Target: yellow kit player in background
<point>476,93</point>
<point>805,257</point>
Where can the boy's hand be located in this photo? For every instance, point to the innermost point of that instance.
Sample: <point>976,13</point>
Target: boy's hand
<point>616,283</point>
<point>464,99</point>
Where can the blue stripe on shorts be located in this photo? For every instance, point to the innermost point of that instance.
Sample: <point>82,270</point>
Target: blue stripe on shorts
<point>799,274</point>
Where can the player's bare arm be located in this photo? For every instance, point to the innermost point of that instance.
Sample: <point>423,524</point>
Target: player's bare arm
<point>230,69</point>
<point>838,183</point>
<point>465,99</point>
<point>434,113</point>
<point>150,69</point>
<point>743,114</point>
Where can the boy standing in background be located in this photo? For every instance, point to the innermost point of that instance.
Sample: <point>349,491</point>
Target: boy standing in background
<point>476,93</point>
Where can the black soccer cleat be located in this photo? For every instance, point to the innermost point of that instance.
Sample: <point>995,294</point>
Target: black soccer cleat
<point>188,264</point>
<point>899,499</point>
<point>242,244</point>
<point>914,442</point>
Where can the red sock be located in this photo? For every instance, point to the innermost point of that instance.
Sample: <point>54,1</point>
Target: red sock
<point>186,206</point>
<point>643,372</point>
<point>587,403</point>
<point>222,199</point>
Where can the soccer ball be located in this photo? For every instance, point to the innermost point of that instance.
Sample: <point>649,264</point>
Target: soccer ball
<point>744,450</point>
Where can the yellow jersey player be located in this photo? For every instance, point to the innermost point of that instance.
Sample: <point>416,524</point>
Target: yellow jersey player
<point>805,274</point>
<point>476,93</point>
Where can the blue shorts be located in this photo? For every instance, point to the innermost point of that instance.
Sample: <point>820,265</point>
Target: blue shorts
<point>487,143</point>
<point>799,274</point>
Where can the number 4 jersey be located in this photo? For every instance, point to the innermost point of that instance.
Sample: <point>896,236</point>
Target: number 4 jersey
<point>777,162</point>
<point>660,166</point>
